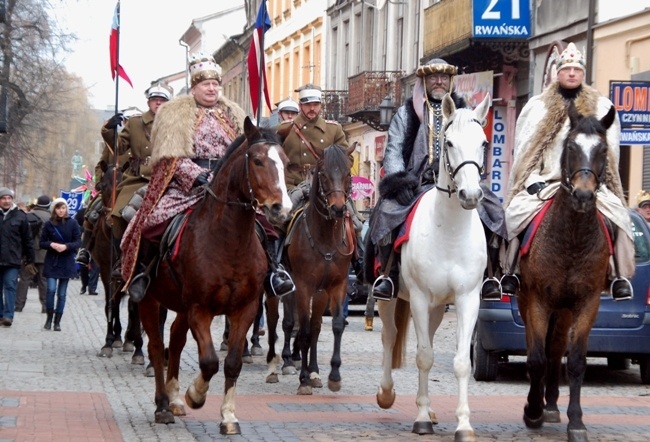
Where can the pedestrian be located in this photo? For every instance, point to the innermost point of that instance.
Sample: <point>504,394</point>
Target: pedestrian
<point>16,247</point>
<point>41,211</point>
<point>61,237</point>
<point>643,205</point>
<point>536,172</point>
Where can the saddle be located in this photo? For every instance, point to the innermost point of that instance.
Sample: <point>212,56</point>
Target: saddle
<point>169,243</point>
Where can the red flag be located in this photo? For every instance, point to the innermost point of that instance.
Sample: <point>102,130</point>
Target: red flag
<point>113,47</point>
<point>256,71</point>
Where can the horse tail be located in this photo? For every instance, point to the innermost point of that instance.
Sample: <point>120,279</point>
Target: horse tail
<point>402,318</point>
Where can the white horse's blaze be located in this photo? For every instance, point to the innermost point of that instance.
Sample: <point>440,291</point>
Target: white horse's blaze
<point>274,155</point>
<point>443,262</point>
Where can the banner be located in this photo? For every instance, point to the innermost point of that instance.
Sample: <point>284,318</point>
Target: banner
<point>361,187</point>
<point>74,200</point>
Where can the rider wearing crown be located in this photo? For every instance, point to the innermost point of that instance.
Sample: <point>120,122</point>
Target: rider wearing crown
<point>541,129</point>
<point>415,137</point>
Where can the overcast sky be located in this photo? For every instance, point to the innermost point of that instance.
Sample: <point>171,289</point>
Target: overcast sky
<point>149,49</point>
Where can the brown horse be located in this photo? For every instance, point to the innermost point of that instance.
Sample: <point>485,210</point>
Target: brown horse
<point>318,256</point>
<point>219,270</point>
<point>105,253</point>
<point>564,274</point>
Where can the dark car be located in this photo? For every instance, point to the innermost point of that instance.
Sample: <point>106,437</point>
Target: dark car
<point>621,332</point>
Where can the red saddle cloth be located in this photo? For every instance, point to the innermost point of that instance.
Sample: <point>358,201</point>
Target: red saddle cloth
<point>537,221</point>
<point>405,230</point>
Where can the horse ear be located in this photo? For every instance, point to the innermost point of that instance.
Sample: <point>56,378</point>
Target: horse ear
<point>103,165</point>
<point>448,107</point>
<point>483,108</point>
<point>250,130</point>
<point>574,115</point>
<point>608,119</point>
<point>350,150</point>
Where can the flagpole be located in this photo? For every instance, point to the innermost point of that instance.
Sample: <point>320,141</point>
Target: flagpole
<point>261,71</point>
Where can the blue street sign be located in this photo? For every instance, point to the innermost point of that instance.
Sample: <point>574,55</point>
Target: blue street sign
<point>501,19</point>
<point>74,200</point>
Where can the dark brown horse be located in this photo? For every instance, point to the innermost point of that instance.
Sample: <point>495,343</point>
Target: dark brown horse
<point>564,274</point>
<point>105,253</point>
<point>219,270</point>
<point>318,257</point>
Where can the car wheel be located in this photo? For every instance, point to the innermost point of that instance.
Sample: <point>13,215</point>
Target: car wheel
<point>485,364</point>
<point>644,364</point>
<point>618,363</point>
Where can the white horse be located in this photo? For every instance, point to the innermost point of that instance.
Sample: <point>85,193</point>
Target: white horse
<point>442,263</point>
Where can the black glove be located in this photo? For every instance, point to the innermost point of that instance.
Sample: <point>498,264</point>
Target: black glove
<point>404,196</point>
<point>114,121</point>
<point>201,179</point>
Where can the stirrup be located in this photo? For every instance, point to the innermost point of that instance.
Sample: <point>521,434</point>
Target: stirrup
<point>492,295</point>
<point>83,257</point>
<point>280,272</point>
<point>137,295</point>
<point>627,282</point>
<point>381,296</point>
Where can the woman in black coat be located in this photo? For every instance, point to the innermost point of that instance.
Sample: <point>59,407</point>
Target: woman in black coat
<point>61,237</point>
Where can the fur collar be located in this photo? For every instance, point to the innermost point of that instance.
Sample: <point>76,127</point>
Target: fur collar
<point>172,135</point>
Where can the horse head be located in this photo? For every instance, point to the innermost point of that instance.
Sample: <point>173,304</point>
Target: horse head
<point>465,145</point>
<point>584,157</point>
<point>332,181</point>
<point>265,163</point>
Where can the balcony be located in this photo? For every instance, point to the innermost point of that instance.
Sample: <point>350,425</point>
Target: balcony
<point>366,92</point>
<point>335,106</point>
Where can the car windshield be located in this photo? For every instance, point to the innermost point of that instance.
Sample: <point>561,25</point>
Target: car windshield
<point>640,242</point>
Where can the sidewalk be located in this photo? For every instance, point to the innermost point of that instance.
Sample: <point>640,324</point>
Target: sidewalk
<point>53,387</point>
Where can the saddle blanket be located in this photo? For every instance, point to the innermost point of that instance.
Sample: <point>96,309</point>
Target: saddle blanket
<point>533,227</point>
<point>405,229</point>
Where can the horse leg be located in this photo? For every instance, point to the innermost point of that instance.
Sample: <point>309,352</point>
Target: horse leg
<point>556,345</point>
<point>177,340</point>
<point>338,326</point>
<point>107,350</point>
<point>149,316</point>
<point>467,306</point>
<point>303,340</point>
<point>315,324</point>
<point>424,360</point>
<point>386,392</point>
<point>117,324</point>
<point>224,337</point>
<point>536,330</point>
<point>288,308</point>
<point>134,334</point>
<point>272,316</point>
<point>256,349</point>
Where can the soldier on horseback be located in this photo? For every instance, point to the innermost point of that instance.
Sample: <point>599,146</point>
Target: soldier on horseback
<point>415,138</point>
<point>541,129</point>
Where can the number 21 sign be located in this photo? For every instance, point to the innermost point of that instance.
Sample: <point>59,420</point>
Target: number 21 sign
<point>501,19</point>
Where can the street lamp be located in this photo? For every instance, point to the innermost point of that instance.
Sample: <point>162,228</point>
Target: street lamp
<point>385,112</point>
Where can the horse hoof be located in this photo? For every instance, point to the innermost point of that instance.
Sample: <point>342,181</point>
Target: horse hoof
<point>105,352</point>
<point>137,360</point>
<point>334,385</point>
<point>289,370</point>
<point>231,428</point>
<point>177,409</point>
<point>247,359</point>
<point>128,347</point>
<point>577,435</point>
<point>385,400</point>
<point>552,416</point>
<point>223,347</point>
<point>117,344</point>
<point>193,405</point>
<point>316,383</point>
<point>272,378</point>
<point>422,428</point>
<point>164,417</point>
<point>534,423</point>
<point>149,372</point>
<point>464,436</point>
<point>304,390</point>
<point>257,351</point>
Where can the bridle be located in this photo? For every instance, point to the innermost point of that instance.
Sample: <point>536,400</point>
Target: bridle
<point>322,196</point>
<point>451,171</point>
<point>567,176</point>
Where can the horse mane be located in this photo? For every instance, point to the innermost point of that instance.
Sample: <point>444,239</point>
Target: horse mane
<point>588,125</point>
<point>334,157</point>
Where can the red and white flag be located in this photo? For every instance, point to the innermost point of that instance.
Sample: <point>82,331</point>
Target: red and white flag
<point>114,47</point>
<point>256,64</point>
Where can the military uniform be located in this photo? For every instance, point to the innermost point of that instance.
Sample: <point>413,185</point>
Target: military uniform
<point>320,134</point>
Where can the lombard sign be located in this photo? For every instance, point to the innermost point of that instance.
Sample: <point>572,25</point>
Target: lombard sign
<point>632,101</point>
<point>501,19</point>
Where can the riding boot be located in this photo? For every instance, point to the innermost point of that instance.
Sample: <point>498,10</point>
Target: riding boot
<point>57,321</point>
<point>386,287</point>
<point>491,288</point>
<point>510,280</point>
<point>83,256</point>
<point>147,259</point>
<point>278,282</point>
<point>48,321</point>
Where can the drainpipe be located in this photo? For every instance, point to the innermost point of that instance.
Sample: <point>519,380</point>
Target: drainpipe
<point>590,40</point>
<point>187,57</point>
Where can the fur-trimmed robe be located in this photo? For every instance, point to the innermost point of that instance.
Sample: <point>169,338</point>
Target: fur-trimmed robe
<point>541,129</point>
<point>179,135</point>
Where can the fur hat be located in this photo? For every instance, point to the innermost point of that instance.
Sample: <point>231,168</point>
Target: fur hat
<point>159,90</point>
<point>203,67</point>
<point>571,57</point>
<point>436,66</point>
<point>43,201</point>
<point>309,93</point>
<point>5,191</point>
<point>643,198</point>
<point>57,202</point>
